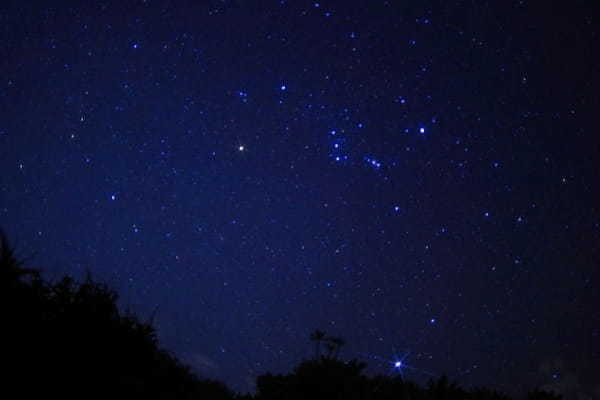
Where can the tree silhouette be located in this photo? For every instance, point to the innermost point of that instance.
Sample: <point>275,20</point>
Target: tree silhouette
<point>69,340</point>
<point>317,336</point>
<point>330,347</point>
<point>325,378</point>
<point>487,394</point>
<point>538,394</point>
<point>333,344</point>
<point>337,343</point>
<point>442,388</point>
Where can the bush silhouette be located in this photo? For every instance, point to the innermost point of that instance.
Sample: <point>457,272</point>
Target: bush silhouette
<point>325,378</point>
<point>542,395</point>
<point>69,340</point>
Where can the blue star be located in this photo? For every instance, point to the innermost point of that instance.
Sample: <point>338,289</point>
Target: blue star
<point>373,162</point>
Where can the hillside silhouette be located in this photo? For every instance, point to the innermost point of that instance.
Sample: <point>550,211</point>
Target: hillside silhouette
<point>69,340</point>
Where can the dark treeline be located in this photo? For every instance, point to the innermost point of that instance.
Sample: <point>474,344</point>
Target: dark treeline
<point>68,339</point>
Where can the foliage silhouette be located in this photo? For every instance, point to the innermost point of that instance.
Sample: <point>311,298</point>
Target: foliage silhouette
<point>487,394</point>
<point>333,344</point>
<point>337,343</point>
<point>69,340</point>
<point>538,394</point>
<point>328,377</point>
<point>317,336</point>
<point>325,378</point>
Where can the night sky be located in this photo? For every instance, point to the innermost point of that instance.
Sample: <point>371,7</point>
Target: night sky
<point>418,177</point>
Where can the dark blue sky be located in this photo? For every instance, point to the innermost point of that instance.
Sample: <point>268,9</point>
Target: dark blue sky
<point>418,177</point>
